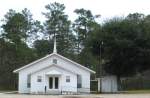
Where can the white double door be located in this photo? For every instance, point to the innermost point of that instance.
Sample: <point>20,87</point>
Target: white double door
<point>53,82</point>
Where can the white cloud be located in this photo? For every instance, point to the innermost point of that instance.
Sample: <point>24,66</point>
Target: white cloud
<point>107,8</point>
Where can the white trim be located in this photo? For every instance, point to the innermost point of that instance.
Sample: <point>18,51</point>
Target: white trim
<point>55,46</point>
<point>53,72</point>
<point>55,66</point>
<point>77,64</point>
<point>34,62</point>
<point>17,70</point>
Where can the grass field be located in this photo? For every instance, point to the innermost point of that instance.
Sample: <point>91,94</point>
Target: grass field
<point>137,91</point>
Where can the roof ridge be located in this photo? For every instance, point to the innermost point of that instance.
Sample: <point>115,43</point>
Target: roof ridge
<point>36,61</point>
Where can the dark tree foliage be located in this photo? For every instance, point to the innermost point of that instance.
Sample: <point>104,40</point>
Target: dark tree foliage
<point>126,49</point>
<point>43,47</point>
<point>84,25</point>
<point>57,24</point>
<point>125,52</point>
<point>14,52</point>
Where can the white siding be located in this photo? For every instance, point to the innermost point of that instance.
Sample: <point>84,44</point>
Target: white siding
<point>38,87</point>
<point>23,83</point>
<point>23,74</point>
<point>69,66</point>
<point>109,84</point>
<point>47,62</point>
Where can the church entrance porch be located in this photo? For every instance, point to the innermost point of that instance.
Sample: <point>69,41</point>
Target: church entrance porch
<point>53,84</point>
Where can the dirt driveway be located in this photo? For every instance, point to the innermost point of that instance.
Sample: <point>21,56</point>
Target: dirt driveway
<point>77,96</point>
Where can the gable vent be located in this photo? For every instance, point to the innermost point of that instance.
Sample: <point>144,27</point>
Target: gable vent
<point>54,61</point>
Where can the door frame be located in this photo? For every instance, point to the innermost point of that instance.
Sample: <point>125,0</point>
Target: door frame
<point>53,85</point>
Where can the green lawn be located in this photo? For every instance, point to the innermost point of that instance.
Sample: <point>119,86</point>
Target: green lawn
<point>2,91</point>
<point>137,91</point>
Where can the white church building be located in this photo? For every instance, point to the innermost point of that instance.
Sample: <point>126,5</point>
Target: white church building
<point>54,74</point>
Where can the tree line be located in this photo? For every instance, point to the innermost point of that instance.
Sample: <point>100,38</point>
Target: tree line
<point>124,52</point>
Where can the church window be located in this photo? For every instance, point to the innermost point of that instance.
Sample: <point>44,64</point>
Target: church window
<point>28,81</point>
<point>79,81</point>
<point>67,78</point>
<point>39,79</point>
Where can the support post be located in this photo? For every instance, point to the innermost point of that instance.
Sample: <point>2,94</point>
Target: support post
<point>101,69</point>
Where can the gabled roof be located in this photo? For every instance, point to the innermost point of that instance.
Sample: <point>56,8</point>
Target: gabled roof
<point>53,72</point>
<point>60,67</point>
<point>75,63</point>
